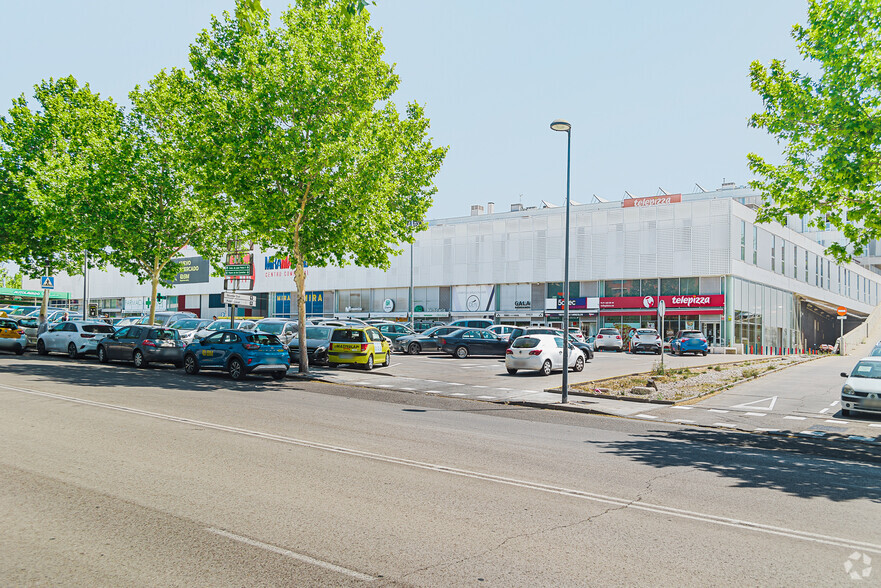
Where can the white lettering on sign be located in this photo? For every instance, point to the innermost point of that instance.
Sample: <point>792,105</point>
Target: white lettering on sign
<point>690,300</point>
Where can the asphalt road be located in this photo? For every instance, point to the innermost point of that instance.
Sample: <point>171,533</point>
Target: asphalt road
<point>112,476</point>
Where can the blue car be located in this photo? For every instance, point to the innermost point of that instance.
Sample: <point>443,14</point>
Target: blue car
<point>689,342</point>
<point>238,352</point>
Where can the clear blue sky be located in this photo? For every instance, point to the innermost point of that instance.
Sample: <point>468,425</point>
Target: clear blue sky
<point>657,92</point>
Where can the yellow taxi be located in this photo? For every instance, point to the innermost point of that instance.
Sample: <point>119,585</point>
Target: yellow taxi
<point>12,336</point>
<point>363,346</point>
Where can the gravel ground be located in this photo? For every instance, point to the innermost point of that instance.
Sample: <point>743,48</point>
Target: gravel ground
<point>680,384</point>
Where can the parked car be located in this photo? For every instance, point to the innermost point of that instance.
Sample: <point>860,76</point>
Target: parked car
<point>124,321</point>
<point>188,327</point>
<point>586,349</point>
<point>861,392</point>
<point>75,338</point>
<point>689,342</point>
<point>165,318</point>
<point>426,341</point>
<point>143,345</point>
<point>282,328</point>
<point>31,327</point>
<point>317,344</point>
<point>359,346</point>
<point>222,324</point>
<point>577,333</point>
<point>646,340</point>
<point>590,342</point>
<point>472,323</point>
<point>238,352</point>
<point>12,336</point>
<point>393,331</point>
<point>465,342</point>
<point>542,353</point>
<point>608,339</point>
<point>503,331</point>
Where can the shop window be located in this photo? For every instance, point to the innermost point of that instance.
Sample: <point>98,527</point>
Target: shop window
<point>670,286</point>
<point>612,288</point>
<point>630,287</point>
<point>773,253</point>
<point>648,288</point>
<point>689,286</point>
<point>214,301</point>
<point>742,240</point>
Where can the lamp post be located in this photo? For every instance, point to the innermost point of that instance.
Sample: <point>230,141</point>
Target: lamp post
<point>563,125</point>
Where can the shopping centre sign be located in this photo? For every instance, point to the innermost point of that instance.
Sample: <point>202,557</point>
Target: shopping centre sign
<point>671,302</point>
<point>651,200</point>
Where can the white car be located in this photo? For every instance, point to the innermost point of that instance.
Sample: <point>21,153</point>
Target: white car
<point>188,327</point>
<point>576,333</point>
<point>861,392</point>
<point>75,338</point>
<point>541,353</point>
<point>503,331</point>
<point>608,339</point>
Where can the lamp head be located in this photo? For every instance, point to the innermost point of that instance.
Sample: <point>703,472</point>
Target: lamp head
<point>561,125</point>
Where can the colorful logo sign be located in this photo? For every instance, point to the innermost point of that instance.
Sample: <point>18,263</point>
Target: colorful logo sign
<point>679,301</point>
<point>651,200</point>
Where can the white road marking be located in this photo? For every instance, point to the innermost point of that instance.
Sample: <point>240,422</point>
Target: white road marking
<point>454,384</point>
<point>475,386</point>
<point>719,411</point>
<point>875,425</point>
<point>794,418</point>
<point>771,402</point>
<point>385,385</point>
<point>436,392</point>
<point>408,389</point>
<point>766,430</point>
<point>682,407</point>
<point>834,403</point>
<point>683,421</point>
<point>431,381</point>
<point>755,414</point>
<point>824,411</point>
<point>457,394</point>
<point>726,425</point>
<point>292,554</point>
<point>645,416</point>
<point>505,389</point>
<point>486,397</point>
<point>838,422</point>
<point>813,433</point>
<point>394,364</point>
<point>447,470</point>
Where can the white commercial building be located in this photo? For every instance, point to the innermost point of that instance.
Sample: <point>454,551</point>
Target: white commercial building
<point>702,254</point>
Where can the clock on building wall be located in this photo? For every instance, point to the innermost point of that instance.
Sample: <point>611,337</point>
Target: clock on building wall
<point>473,303</point>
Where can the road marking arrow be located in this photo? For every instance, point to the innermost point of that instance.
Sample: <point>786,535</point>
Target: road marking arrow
<point>772,401</point>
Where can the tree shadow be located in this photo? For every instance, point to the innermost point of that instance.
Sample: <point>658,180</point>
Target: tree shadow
<point>87,372</point>
<point>839,471</point>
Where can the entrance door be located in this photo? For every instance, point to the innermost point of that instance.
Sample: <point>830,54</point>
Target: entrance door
<point>713,331</point>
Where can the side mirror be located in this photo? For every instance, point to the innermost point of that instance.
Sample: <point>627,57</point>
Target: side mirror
<point>844,375</point>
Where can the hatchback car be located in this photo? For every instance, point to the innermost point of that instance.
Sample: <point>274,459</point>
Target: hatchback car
<point>393,331</point>
<point>239,353</point>
<point>861,392</point>
<point>12,336</point>
<point>503,331</point>
<point>608,339</point>
<point>143,345</point>
<point>223,324</point>
<point>31,327</point>
<point>541,353</point>
<point>646,340</point>
<point>465,342</point>
<point>425,341</point>
<point>576,333</point>
<point>75,338</point>
<point>282,328</point>
<point>362,346</point>
<point>317,344</point>
<point>586,349</point>
<point>188,327</point>
<point>472,323</point>
<point>689,342</point>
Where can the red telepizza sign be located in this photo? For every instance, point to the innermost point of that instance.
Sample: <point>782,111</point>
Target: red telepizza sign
<point>651,302</point>
<point>651,200</point>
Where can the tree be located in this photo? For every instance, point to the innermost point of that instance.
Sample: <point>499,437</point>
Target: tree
<point>49,181</point>
<point>297,126</point>
<point>151,211</point>
<point>830,125</point>
<point>9,280</point>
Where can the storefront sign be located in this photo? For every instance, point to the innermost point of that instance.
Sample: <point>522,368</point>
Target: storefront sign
<point>193,270</point>
<point>582,303</point>
<point>651,200</point>
<point>671,302</point>
<point>388,305</point>
<point>522,304</point>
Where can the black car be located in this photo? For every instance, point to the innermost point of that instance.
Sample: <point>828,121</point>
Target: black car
<point>419,342</point>
<point>143,345</point>
<point>317,344</point>
<point>465,342</point>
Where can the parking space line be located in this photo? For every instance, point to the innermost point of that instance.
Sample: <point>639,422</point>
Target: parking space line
<point>756,414</point>
<point>457,394</point>
<point>794,418</point>
<point>475,386</point>
<point>765,429</point>
<point>875,425</point>
<point>486,397</point>
<point>408,389</point>
<point>505,389</point>
<point>824,411</point>
<point>437,392</point>
<point>645,416</point>
<point>726,425</point>
<point>834,403</point>
<point>718,410</point>
<point>837,422</point>
<point>683,421</point>
<point>385,385</point>
<point>682,407</point>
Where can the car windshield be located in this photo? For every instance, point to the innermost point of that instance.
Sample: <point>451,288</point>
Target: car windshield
<point>222,324</point>
<point>526,343</point>
<point>187,324</point>
<point>263,339</point>
<point>274,328</point>
<point>348,336</point>
<point>164,335</point>
<point>318,332</point>
<point>608,331</point>
<point>98,329</point>
<point>693,335</point>
<point>867,369</point>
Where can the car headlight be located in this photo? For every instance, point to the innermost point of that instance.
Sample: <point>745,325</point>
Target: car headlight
<point>846,389</point>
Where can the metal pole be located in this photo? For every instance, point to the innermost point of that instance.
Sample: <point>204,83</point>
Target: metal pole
<point>85,284</point>
<point>565,398</point>
<point>411,288</point>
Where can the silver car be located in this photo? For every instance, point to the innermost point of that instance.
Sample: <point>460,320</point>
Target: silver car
<point>861,392</point>
<point>282,328</point>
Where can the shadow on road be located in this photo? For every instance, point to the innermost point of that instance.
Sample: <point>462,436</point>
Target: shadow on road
<point>804,468</point>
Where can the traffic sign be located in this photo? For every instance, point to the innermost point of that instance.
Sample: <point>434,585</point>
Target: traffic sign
<point>238,269</point>
<point>662,309</point>
<point>47,282</point>
<point>842,311</point>
<point>238,299</point>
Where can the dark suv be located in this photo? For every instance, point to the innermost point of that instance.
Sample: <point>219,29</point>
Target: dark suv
<point>143,345</point>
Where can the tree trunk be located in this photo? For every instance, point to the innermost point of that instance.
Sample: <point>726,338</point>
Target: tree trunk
<point>300,281</point>
<point>155,287</point>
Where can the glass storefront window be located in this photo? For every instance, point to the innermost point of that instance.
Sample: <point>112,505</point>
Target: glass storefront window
<point>648,288</point>
<point>613,288</point>
<point>689,286</point>
<point>670,287</point>
<point>630,287</point>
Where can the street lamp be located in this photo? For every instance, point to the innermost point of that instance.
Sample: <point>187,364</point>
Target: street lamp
<point>563,125</point>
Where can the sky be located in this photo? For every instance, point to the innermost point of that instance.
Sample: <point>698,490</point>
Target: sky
<point>657,93</point>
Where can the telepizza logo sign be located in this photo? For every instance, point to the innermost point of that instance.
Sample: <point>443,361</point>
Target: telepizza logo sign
<point>651,201</point>
<point>689,301</point>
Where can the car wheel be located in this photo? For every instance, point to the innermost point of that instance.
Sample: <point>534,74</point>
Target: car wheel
<point>102,354</point>
<point>279,375</point>
<point>704,353</point>
<point>461,352</point>
<point>191,366</point>
<point>414,349</point>
<point>388,359</point>
<point>71,350</point>
<point>41,347</point>
<point>512,371</point>
<point>236,369</point>
<point>19,350</point>
<point>579,364</point>
<point>139,360</point>
<point>546,368</point>
<point>369,365</point>
<point>620,349</point>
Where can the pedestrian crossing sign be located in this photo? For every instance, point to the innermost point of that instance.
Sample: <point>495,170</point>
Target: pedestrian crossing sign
<point>48,282</point>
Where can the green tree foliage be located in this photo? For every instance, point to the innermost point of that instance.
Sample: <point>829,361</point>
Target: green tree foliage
<point>829,124</point>
<point>150,210</point>
<point>49,176</point>
<point>10,280</point>
<point>296,125</point>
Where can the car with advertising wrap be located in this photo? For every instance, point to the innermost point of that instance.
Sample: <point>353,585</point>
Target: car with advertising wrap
<point>238,352</point>
<point>364,346</point>
<point>12,336</point>
<point>689,341</point>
